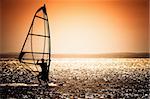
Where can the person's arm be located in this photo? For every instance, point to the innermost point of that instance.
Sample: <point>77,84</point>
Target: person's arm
<point>37,62</point>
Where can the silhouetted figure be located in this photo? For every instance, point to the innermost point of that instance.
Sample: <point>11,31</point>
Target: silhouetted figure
<point>43,75</point>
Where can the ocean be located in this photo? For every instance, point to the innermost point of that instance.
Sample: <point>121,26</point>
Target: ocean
<point>99,78</point>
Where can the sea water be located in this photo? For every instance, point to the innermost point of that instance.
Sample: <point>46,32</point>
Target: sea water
<point>90,77</point>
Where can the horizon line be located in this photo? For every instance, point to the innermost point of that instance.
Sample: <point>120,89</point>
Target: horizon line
<point>88,55</point>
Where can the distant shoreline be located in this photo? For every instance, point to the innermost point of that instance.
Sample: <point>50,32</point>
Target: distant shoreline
<point>109,55</point>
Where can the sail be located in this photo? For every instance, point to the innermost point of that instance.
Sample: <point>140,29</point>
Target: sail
<point>37,43</point>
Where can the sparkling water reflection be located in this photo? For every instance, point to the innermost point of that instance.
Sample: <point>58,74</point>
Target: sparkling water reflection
<point>85,78</point>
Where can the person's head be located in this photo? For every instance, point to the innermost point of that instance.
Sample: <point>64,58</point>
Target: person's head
<point>42,60</point>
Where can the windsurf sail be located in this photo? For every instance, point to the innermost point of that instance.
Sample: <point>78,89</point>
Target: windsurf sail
<point>37,44</point>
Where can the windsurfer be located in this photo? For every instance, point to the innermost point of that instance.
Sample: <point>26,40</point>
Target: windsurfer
<point>43,75</point>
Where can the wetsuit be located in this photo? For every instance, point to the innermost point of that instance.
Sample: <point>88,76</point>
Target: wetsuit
<point>43,75</point>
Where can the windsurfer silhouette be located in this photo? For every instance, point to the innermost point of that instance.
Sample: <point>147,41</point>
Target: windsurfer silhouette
<point>43,75</point>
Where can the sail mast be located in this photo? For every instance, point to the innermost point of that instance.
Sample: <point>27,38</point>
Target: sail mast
<point>49,45</point>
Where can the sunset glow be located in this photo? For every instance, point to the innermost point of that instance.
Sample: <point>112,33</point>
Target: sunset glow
<point>80,26</point>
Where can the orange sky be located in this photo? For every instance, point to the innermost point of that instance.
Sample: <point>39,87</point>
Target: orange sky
<point>0,31</point>
<point>80,26</point>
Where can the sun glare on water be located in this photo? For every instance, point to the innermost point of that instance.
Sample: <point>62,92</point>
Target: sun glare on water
<point>98,63</point>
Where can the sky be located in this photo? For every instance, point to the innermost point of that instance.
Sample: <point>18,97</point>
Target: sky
<point>0,31</point>
<point>79,26</point>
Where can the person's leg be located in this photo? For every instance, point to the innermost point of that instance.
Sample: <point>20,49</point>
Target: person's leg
<point>43,76</point>
<point>47,77</point>
<point>44,79</point>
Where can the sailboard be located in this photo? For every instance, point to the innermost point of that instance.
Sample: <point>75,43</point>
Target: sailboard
<point>37,44</point>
